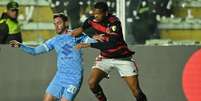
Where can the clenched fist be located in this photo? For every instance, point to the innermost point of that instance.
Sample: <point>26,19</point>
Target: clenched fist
<point>14,43</point>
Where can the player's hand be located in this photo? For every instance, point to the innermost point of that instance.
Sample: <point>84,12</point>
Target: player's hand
<point>99,37</point>
<point>14,43</point>
<point>108,30</point>
<point>82,45</point>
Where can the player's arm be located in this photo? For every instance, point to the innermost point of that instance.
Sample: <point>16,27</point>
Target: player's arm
<point>112,36</point>
<point>77,31</point>
<point>30,50</point>
<point>83,38</point>
<point>104,42</point>
<point>108,40</point>
<point>99,45</point>
<point>84,28</point>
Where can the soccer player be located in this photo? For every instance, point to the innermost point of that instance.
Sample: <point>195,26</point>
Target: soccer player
<point>68,78</point>
<point>106,28</point>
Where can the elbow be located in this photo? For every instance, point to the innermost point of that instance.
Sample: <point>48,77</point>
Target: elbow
<point>108,46</point>
<point>77,32</point>
<point>73,33</point>
<point>33,53</point>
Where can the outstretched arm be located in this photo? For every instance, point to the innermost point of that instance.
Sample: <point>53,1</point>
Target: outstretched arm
<point>98,45</point>
<point>83,28</point>
<point>77,31</point>
<point>30,50</point>
<point>108,40</point>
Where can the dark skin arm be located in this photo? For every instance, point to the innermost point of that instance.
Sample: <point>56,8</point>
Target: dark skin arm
<point>105,41</point>
<point>99,45</point>
<point>77,31</point>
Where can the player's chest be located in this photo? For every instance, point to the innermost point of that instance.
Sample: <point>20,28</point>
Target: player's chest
<point>65,44</point>
<point>100,27</point>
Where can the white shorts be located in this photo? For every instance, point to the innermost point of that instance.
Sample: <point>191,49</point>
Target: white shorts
<point>124,67</point>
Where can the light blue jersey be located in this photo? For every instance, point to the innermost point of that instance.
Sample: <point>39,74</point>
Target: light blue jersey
<point>68,77</point>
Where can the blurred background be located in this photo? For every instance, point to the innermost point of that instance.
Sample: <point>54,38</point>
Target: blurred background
<point>164,34</point>
<point>144,21</point>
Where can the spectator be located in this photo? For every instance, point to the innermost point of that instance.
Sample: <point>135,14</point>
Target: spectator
<point>9,26</point>
<point>143,25</point>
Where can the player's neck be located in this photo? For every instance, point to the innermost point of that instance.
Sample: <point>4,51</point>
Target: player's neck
<point>65,31</point>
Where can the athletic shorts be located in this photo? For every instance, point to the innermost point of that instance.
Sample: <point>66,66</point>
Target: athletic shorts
<point>59,90</point>
<point>123,66</point>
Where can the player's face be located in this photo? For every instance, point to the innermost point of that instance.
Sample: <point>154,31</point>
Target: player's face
<point>13,13</point>
<point>60,25</point>
<point>99,14</point>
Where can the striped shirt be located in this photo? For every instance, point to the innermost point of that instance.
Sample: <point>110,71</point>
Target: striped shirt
<point>113,45</point>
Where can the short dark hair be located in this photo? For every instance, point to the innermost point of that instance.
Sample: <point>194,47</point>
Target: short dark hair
<point>61,15</point>
<point>101,5</point>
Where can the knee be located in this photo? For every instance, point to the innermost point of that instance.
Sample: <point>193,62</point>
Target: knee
<point>135,91</point>
<point>48,97</point>
<point>63,99</point>
<point>92,83</point>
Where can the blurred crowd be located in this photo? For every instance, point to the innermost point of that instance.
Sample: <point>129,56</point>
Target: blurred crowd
<point>141,22</point>
<point>141,15</point>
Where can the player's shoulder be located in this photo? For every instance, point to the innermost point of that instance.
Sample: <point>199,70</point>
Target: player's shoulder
<point>54,39</point>
<point>69,31</point>
<point>113,18</point>
<point>91,18</point>
<point>3,25</point>
<point>3,21</point>
<point>88,20</point>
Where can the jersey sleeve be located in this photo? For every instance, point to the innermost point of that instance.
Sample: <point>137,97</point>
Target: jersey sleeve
<point>106,44</point>
<point>113,36</point>
<point>49,44</point>
<point>43,48</point>
<point>87,27</point>
<point>115,27</point>
<point>86,24</point>
<point>90,32</point>
<point>89,40</point>
<point>85,39</point>
<point>34,50</point>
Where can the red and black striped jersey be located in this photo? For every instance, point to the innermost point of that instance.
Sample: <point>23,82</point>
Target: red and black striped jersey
<point>113,45</point>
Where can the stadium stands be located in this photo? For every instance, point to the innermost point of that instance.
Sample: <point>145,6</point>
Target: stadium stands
<point>185,24</point>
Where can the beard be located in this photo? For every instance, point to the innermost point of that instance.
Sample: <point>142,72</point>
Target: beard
<point>61,31</point>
